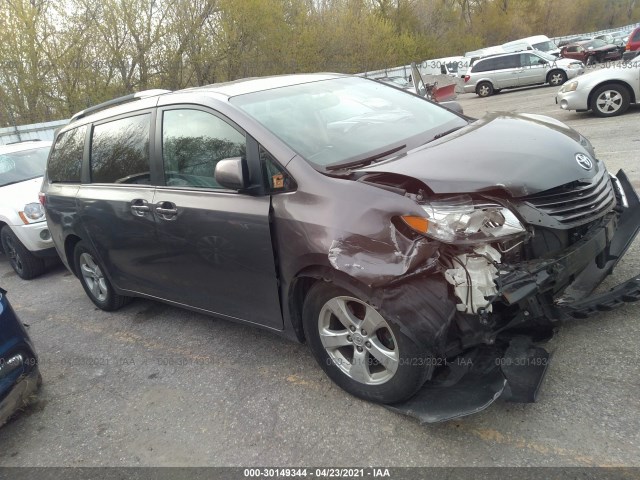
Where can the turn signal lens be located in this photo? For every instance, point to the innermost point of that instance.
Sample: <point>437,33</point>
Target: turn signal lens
<point>419,224</point>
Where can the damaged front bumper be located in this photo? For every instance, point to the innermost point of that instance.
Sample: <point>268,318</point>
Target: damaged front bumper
<point>539,294</point>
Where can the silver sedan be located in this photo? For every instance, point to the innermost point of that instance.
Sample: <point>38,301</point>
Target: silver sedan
<point>606,92</point>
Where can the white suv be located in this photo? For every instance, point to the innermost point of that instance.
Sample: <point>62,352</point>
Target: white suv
<point>23,230</point>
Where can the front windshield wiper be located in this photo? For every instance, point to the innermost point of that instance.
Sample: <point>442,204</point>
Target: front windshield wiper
<point>365,161</point>
<point>443,134</point>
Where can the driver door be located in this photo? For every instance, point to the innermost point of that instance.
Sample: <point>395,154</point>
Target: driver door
<point>216,242</point>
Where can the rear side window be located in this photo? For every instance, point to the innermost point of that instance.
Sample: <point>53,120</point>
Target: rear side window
<point>120,151</point>
<point>485,65</point>
<point>193,142</point>
<point>65,162</point>
<point>499,63</point>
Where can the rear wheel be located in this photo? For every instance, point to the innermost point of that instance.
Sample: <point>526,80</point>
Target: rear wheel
<point>484,89</point>
<point>23,262</point>
<point>360,350</point>
<point>609,101</point>
<point>93,280</point>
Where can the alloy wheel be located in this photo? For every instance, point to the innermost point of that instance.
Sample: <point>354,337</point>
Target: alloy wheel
<point>93,277</point>
<point>609,101</point>
<point>358,340</point>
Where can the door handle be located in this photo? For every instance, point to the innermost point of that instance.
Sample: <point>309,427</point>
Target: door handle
<point>139,207</point>
<point>167,210</point>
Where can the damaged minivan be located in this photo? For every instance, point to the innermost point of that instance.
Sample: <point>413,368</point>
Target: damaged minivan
<point>423,255</point>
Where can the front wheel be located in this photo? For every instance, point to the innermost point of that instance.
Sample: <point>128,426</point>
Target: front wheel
<point>23,262</point>
<point>556,78</point>
<point>93,280</point>
<point>609,101</point>
<point>359,349</point>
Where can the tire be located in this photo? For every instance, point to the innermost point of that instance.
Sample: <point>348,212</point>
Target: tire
<point>590,60</point>
<point>484,89</point>
<point>344,340</point>
<point>95,283</point>
<point>23,262</point>
<point>609,101</point>
<point>555,78</point>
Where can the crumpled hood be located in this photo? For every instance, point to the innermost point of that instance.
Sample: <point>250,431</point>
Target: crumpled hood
<point>520,153</point>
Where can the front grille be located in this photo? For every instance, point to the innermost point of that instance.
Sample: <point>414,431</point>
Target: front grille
<point>577,203</point>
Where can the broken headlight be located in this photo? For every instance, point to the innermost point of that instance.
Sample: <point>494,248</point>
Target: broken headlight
<point>461,220</point>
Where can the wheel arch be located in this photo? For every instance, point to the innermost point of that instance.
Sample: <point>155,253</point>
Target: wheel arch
<point>69,246</point>
<point>306,278</point>
<point>621,83</point>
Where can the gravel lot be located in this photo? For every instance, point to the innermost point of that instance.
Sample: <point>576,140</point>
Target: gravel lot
<point>155,385</point>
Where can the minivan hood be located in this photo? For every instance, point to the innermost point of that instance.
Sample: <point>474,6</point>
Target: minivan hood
<point>520,153</point>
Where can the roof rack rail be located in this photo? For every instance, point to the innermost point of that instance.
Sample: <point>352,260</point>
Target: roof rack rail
<point>118,101</point>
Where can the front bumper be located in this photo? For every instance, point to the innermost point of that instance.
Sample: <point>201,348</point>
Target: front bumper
<point>511,365</point>
<point>576,100</point>
<point>34,236</point>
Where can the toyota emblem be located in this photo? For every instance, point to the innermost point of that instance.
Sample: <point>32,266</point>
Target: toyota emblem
<point>584,161</point>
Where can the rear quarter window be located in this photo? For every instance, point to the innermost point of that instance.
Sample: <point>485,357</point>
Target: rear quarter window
<point>65,161</point>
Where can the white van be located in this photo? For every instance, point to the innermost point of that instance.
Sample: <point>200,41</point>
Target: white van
<point>537,42</point>
<point>443,66</point>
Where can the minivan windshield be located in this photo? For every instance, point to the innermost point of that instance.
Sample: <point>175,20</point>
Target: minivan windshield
<point>342,121</point>
<point>23,165</point>
<point>545,46</point>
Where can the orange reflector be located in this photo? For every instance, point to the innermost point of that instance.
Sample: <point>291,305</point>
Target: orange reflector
<point>23,218</point>
<point>419,224</point>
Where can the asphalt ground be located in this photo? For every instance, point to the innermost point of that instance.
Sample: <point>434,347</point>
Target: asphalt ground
<point>156,385</point>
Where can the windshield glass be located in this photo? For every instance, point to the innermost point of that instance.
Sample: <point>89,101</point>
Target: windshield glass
<point>20,166</point>
<point>343,120</point>
<point>545,46</point>
<point>595,44</point>
<point>547,56</point>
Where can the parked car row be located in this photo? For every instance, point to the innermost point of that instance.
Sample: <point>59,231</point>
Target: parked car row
<point>500,67</point>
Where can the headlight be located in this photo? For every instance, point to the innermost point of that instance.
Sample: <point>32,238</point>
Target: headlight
<point>459,220</point>
<point>33,212</point>
<point>576,65</point>
<point>569,87</point>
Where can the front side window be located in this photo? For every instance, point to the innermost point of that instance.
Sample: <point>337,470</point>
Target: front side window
<point>120,151</point>
<point>65,163</point>
<point>193,142</point>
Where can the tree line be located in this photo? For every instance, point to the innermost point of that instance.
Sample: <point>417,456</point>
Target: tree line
<point>60,56</point>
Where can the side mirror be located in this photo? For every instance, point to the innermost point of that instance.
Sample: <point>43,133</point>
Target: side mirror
<point>542,62</point>
<point>229,173</point>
